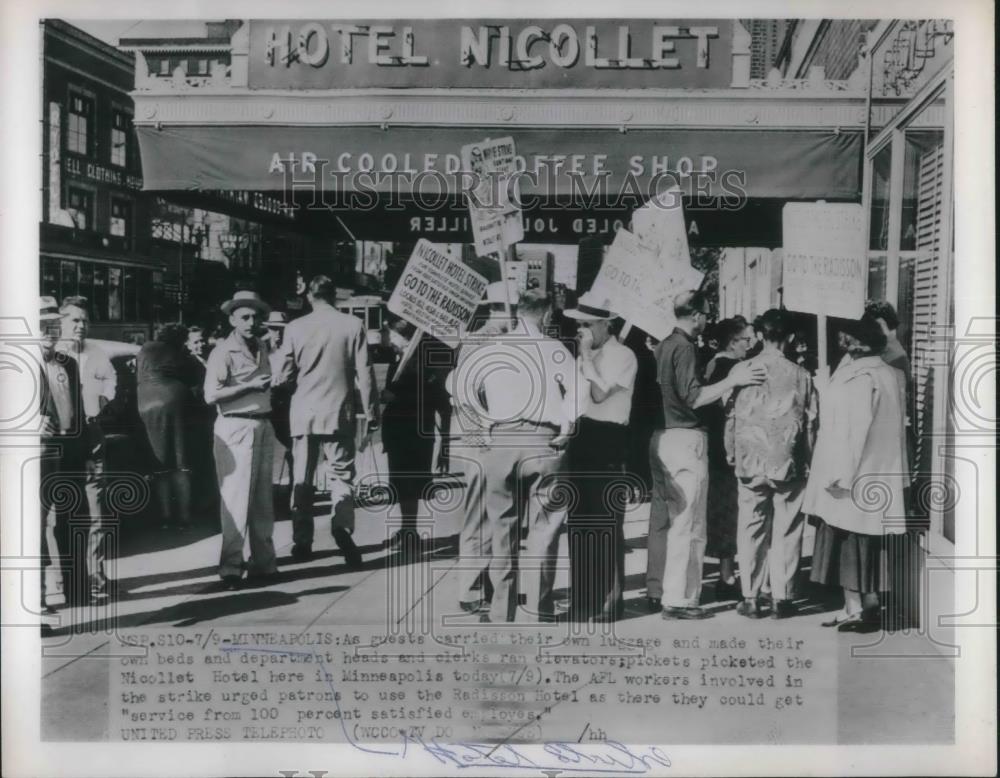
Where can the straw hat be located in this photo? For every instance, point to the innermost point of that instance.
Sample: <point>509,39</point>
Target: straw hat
<point>588,308</point>
<point>245,299</point>
<point>276,320</point>
<point>48,308</point>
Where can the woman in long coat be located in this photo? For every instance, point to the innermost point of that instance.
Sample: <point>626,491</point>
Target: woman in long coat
<point>858,473</point>
<point>165,381</point>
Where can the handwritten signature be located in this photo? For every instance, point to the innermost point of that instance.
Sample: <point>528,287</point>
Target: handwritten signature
<point>607,757</point>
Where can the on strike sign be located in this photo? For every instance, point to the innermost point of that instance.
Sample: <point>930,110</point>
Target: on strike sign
<point>496,219</point>
<point>437,293</point>
<point>825,265</point>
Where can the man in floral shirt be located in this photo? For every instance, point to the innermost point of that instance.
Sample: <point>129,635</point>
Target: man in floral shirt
<point>769,437</point>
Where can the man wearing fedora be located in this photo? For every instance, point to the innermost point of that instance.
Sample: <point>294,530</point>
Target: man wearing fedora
<point>238,381</point>
<point>326,355</point>
<point>63,454</point>
<point>596,456</point>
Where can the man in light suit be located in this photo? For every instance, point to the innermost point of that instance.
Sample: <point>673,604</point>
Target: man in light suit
<point>326,355</point>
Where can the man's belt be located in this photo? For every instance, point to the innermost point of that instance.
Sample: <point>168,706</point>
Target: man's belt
<point>257,416</point>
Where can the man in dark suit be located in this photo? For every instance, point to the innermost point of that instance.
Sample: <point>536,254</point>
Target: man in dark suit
<point>326,355</point>
<point>63,453</point>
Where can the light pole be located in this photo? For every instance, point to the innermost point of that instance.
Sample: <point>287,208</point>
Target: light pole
<point>194,231</point>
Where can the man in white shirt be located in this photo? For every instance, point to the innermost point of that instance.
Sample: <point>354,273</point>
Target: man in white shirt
<point>238,382</point>
<point>597,455</point>
<point>528,386</point>
<point>98,383</point>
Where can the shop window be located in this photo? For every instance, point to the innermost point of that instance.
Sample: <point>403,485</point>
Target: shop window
<point>144,296</point>
<point>114,294</point>
<point>99,309</point>
<point>80,206</point>
<point>85,280</point>
<point>130,296</point>
<point>120,128</point>
<point>877,277</point>
<point>121,218</point>
<point>878,239</point>
<point>68,284</point>
<point>49,279</point>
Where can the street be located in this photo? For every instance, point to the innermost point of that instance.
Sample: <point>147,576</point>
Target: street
<point>166,580</point>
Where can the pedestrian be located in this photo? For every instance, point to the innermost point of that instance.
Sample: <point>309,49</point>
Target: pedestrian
<point>525,385</point>
<point>281,402</point>
<point>861,441</point>
<point>596,455</point>
<point>645,415</point>
<point>679,464</point>
<point>98,383</point>
<point>62,459</point>
<point>238,381</point>
<point>326,355</point>
<point>770,432</point>
<point>412,397</point>
<point>734,337</point>
<point>468,433</point>
<point>196,345</point>
<point>165,379</point>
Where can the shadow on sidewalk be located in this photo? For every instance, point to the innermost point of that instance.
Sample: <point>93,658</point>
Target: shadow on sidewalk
<point>202,609</point>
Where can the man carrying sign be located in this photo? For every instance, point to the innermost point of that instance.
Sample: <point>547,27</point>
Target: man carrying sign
<point>679,462</point>
<point>326,355</point>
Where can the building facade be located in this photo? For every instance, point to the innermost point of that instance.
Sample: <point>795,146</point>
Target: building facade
<point>93,235</point>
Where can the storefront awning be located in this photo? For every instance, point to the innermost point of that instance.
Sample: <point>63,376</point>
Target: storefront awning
<point>786,164</point>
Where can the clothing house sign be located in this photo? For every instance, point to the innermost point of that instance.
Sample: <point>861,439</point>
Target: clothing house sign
<point>518,54</point>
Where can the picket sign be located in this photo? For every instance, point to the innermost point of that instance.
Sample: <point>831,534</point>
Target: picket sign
<point>497,228</point>
<point>657,248</point>
<point>436,293</point>
<point>824,264</point>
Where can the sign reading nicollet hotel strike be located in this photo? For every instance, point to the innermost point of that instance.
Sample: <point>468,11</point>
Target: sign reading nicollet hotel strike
<point>520,54</point>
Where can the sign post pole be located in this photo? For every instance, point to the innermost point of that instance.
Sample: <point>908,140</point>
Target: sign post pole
<point>411,349</point>
<point>502,259</point>
<point>823,367</point>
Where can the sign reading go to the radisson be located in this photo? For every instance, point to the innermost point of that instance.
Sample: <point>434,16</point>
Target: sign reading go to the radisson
<point>520,54</point>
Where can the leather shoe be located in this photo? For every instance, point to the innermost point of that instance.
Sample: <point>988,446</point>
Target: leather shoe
<point>653,604</point>
<point>671,613</point>
<point>750,608</point>
<point>473,606</point>
<point>352,557</point>
<point>301,553</point>
<point>231,583</point>
<point>782,609</point>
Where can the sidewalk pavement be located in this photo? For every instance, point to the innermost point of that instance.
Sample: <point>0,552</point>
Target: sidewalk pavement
<point>167,580</point>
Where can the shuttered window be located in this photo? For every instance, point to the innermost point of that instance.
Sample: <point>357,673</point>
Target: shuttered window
<point>926,279</point>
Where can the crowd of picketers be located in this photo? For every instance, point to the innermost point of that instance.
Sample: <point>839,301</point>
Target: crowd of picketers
<point>554,420</point>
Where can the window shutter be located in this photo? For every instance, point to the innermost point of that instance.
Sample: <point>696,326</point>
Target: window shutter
<point>926,278</point>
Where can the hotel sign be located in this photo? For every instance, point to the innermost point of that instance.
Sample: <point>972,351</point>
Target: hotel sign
<point>518,54</point>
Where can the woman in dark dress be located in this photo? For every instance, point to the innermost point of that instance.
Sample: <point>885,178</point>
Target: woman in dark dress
<point>412,396</point>
<point>734,338</point>
<point>165,381</point>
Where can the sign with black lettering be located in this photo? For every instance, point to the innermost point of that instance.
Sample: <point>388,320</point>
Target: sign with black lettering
<point>437,293</point>
<point>825,264</point>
